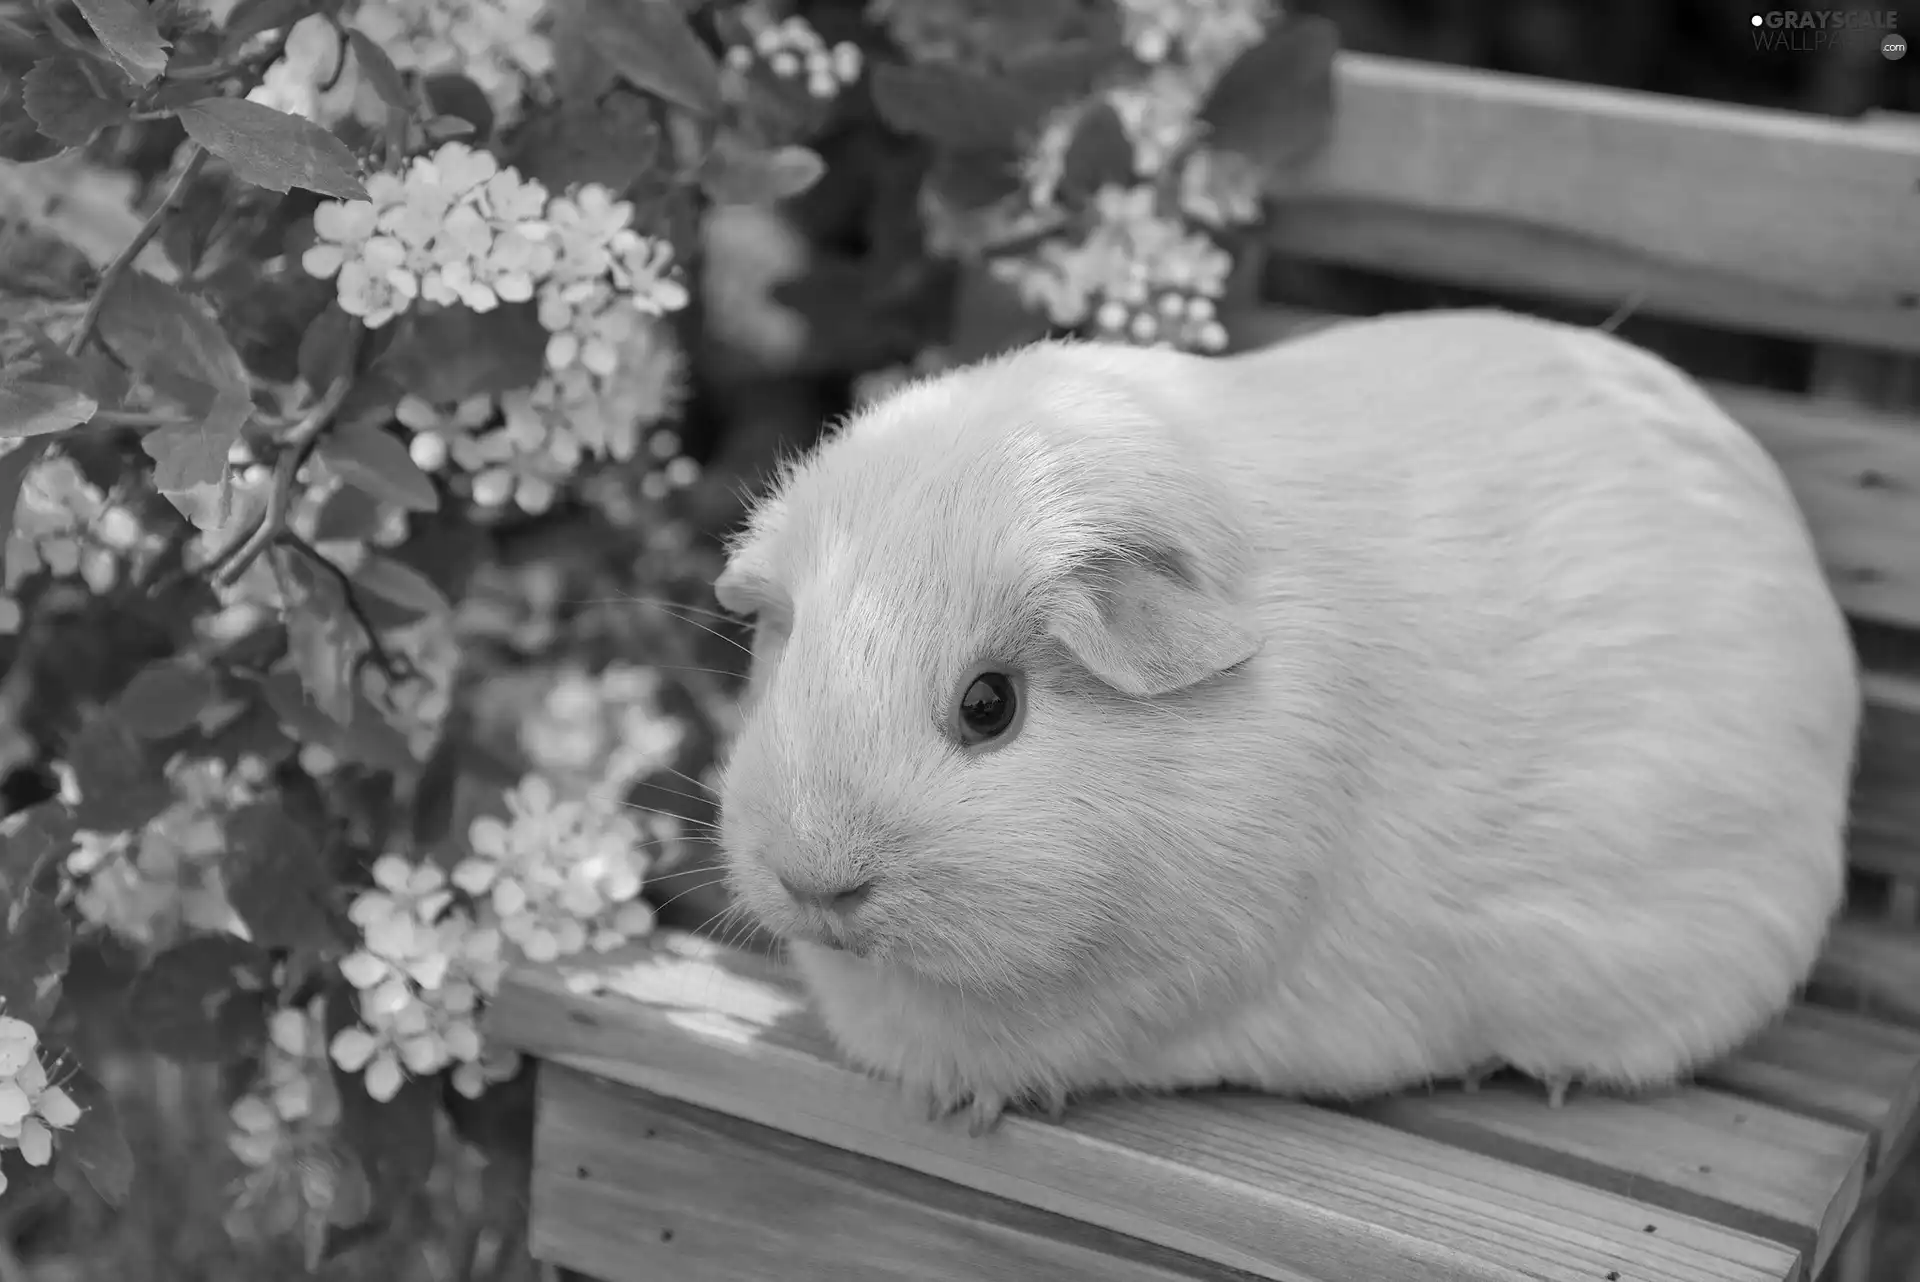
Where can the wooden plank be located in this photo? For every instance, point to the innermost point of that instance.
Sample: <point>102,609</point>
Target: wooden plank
<point>634,1187</point>
<point>1737,1162</point>
<point>1873,965</point>
<point>1276,1188</point>
<point>1759,220</point>
<point>1836,1066</point>
<point>1886,786</point>
<point>1855,472</point>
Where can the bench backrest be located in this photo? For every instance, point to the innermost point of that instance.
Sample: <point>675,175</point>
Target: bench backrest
<point>1760,222</point>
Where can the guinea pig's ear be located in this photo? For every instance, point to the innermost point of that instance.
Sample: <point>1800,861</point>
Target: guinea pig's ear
<point>741,588</point>
<point>1147,625</point>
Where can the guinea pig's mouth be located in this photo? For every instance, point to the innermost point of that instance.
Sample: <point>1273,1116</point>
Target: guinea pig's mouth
<point>837,935</point>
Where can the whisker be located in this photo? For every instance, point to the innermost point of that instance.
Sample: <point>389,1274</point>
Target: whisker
<point>702,785</point>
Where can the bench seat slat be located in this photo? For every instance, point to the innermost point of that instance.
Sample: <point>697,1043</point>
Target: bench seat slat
<point>1836,1066</point>
<point>1272,1187</point>
<point>1601,194</point>
<point>1855,473</point>
<point>1735,1161</point>
<point>1874,966</point>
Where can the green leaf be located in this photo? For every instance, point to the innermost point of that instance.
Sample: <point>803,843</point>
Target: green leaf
<point>43,390</point>
<point>251,17</point>
<point>121,785</point>
<point>381,73</point>
<point>444,355</point>
<point>165,698</point>
<point>273,149</point>
<point>323,640</point>
<point>650,43</point>
<point>1100,153</point>
<point>612,142</point>
<point>65,104</point>
<point>31,855</point>
<point>97,1144</point>
<point>348,513</point>
<point>954,106</point>
<point>34,950</point>
<point>328,347</point>
<point>970,180</point>
<point>201,1000</point>
<point>169,339</point>
<point>276,877</point>
<point>372,459</point>
<point>14,466</point>
<point>41,409</point>
<point>1274,105</point>
<point>127,31</point>
<point>402,585</point>
<point>738,173</point>
<point>20,138</point>
<point>171,342</point>
<point>460,98</point>
<point>368,738</point>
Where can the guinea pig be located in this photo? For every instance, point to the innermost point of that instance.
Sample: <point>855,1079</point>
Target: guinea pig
<point>1431,693</point>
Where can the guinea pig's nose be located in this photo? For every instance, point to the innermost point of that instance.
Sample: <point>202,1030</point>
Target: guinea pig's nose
<point>839,898</point>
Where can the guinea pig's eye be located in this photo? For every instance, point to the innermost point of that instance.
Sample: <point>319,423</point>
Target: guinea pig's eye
<point>989,707</point>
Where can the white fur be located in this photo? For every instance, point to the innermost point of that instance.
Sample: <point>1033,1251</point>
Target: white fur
<point>1541,754</point>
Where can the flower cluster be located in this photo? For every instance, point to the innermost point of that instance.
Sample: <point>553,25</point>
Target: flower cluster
<point>283,1131</point>
<point>792,50</point>
<point>598,734</point>
<point>500,45</point>
<point>421,969</point>
<point>1138,274</point>
<point>65,526</point>
<point>292,1104</point>
<point>150,887</point>
<point>32,1107</point>
<point>459,230</point>
<point>1143,265</point>
<point>558,874</point>
<point>554,877</point>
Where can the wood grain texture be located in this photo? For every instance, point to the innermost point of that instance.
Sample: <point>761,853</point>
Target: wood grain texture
<point>1699,1152</point>
<point>630,1186</point>
<point>1875,966</point>
<point>1839,1067</point>
<point>1886,790</point>
<point>1768,221</point>
<point>1855,473</point>
<point>1272,1187</point>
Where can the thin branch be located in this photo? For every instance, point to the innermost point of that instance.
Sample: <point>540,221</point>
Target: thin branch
<point>377,652</point>
<point>232,561</point>
<point>123,263</point>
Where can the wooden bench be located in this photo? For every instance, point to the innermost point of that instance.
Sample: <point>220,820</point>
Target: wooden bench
<point>695,1124</point>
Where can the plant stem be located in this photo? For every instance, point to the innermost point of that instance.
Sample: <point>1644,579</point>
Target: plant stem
<point>231,562</point>
<point>123,263</point>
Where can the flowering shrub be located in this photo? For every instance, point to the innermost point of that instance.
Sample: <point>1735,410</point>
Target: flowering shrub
<point>355,467</point>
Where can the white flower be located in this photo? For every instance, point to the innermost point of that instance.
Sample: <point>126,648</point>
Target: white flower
<point>32,1108</point>
<point>421,972</point>
<point>791,49</point>
<point>292,1105</point>
<point>560,874</point>
<point>1137,273</point>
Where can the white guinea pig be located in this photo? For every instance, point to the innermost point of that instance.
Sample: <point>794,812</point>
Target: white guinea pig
<point>1433,692</point>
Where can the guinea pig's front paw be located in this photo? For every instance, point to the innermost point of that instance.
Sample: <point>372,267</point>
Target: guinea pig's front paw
<point>985,1108</point>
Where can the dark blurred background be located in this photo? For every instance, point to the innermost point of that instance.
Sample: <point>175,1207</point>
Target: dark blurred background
<point>1703,48</point>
